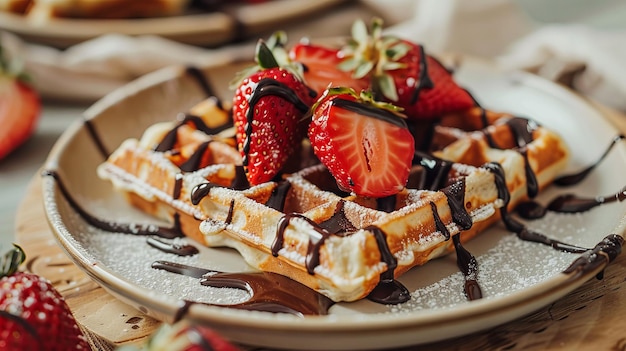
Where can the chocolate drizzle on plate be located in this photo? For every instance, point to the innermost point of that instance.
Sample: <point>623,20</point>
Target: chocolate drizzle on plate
<point>522,231</point>
<point>269,292</point>
<point>173,248</point>
<point>576,178</point>
<point>91,129</point>
<point>114,226</point>
<point>600,256</point>
<point>573,203</point>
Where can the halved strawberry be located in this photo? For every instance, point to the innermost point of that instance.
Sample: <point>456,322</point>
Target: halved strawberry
<point>20,107</point>
<point>321,68</point>
<point>364,144</point>
<point>401,72</point>
<point>267,108</point>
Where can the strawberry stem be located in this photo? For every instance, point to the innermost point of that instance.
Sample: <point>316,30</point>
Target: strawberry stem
<point>11,261</point>
<point>12,68</point>
<point>265,56</point>
<point>269,54</point>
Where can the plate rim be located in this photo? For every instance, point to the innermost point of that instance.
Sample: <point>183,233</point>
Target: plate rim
<point>551,289</point>
<point>205,29</point>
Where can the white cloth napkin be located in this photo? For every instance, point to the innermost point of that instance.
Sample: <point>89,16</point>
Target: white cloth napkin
<point>591,61</point>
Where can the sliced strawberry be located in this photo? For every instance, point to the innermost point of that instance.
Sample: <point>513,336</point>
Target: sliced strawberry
<point>403,74</point>
<point>365,146</point>
<point>267,108</point>
<point>321,68</point>
<point>20,107</point>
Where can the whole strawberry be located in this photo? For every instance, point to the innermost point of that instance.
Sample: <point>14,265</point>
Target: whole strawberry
<point>268,106</point>
<point>365,144</point>
<point>33,315</point>
<point>19,106</point>
<point>320,68</point>
<point>402,73</point>
<point>183,336</point>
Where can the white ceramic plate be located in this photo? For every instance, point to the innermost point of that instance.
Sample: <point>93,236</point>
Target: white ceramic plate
<point>517,277</point>
<point>207,29</point>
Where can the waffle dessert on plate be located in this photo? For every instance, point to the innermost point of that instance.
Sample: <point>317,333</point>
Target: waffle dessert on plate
<point>339,176</point>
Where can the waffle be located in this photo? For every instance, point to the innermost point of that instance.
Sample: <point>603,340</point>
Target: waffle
<point>44,10</point>
<point>304,227</point>
<point>15,6</point>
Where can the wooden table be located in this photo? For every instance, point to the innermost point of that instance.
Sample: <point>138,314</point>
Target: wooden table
<point>592,317</point>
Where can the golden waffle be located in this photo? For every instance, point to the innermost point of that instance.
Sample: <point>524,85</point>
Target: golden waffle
<point>45,10</point>
<point>303,227</point>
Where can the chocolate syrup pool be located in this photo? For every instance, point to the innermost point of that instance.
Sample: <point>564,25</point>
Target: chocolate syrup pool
<point>390,290</point>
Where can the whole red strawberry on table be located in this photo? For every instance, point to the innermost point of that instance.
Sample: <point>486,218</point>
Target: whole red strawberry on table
<point>20,106</point>
<point>394,87</point>
<point>33,315</point>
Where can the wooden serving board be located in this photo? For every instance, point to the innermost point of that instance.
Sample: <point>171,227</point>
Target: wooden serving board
<point>590,318</point>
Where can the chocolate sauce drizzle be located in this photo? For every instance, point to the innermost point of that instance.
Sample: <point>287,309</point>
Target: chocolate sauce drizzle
<point>91,129</point>
<point>424,81</point>
<point>278,196</point>
<point>456,200</point>
<point>194,162</point>
<point>269,292</point>
<point>436,171</point>
<point>173,248</point>
<point>522,130</point>
<point>573,203</point>
<point>116,227</point>
<point>388,290</point>
<point>338,222</point>
<point>439,225</point>
<point>600,256</point>
<point>513,225</point>
<point>170,139</point>
<point>469,267</point>
<point>178,184</point>
<point>576,178</point>
<point>202,80</point>
<point>455,194</point>
<point>567,203</point>
<point>370,111</point>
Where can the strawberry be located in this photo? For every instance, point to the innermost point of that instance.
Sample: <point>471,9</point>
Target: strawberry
<point>403,74</point>
<point>182,336</point>
<point>321,68</point>
<point>364,144</point>
<point>33,315</point>
<point>19,107</point>
<point>268,105</point>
